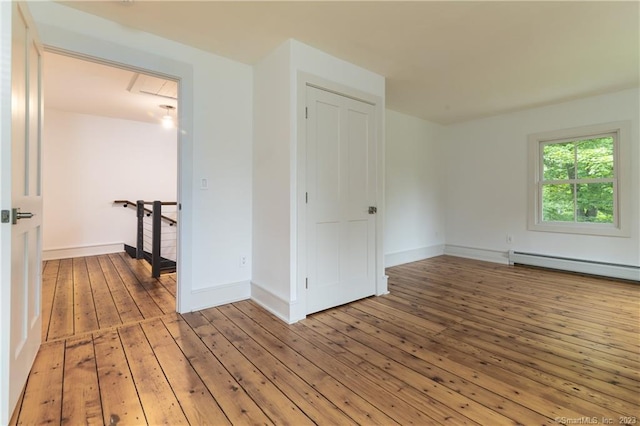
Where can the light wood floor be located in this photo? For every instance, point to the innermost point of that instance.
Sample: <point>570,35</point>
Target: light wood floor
<point>92,293</point>
<point>455,342</point>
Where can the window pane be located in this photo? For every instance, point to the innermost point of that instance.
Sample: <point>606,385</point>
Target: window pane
<point>595,158</point>
<point>559,161</point>
<point>557,203</point>
<point>595,203</point>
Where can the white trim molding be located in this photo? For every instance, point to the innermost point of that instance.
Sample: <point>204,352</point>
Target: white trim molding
<point>204,298</point>
<point>82,251</point>
<point>621,133</point>
<point>275,304</point>
<point>413,255</point>
<point>488,255</point>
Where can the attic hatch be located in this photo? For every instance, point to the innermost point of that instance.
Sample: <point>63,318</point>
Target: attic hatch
<point>149,85</point>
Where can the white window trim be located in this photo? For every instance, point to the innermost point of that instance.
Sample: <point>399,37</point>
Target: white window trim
<point>622,191</point>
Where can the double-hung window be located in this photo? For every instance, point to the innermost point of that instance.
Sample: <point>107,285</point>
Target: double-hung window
<point>579,180</point>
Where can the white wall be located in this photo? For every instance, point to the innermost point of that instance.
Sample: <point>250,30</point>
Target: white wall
<point>271,173</point>
<point>276,108</point>
<point>90,161</point>
<point>216,139</point>
<point>486,182</point>
<point>414,189</point>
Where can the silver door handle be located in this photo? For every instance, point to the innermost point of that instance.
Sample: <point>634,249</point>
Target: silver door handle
<point>17,215</point>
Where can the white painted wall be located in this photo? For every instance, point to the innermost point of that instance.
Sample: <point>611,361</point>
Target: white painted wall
<point>271,173</point>
<point>486,181</point>
<point>90,161</point>
<point>276,109</point>
<point>216,140</point>
<point>414,189</point>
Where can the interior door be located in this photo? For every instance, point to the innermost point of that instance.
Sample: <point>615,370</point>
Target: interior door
<point>341,179</point>
<point>21,183</point>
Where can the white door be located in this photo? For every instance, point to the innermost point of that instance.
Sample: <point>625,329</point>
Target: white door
<point>20,189</point>
<point>341,186</point>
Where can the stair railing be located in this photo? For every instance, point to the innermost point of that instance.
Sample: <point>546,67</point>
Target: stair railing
<point>158,263</point>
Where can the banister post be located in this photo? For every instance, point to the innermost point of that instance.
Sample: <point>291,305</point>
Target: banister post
<point>155,244</point>
<point>140,231</point>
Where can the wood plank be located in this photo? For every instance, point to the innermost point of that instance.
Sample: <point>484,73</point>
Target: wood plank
<point>493,377</point>
<point>617,330</point>
<point>81,393</point>
<point>105,306</point>
<point>85,318</point>
<point>168,281</point>
<point>604,394</point>
<point>61,324</point>
<point>120,402</point>
<point>158,400</point>
<point>164,299</point>
<point>198,404</point>
<point>148,308</point>
<point>127,308</point>
<point>43,394</point>
<point>388,374</point>
<point>387,402</point>
<point>456,342</point>
<point>420,303</point>
<point>271,400</point>
<point>318,399</point>
<point>232,398</point>
<point>49,280</point>
<point>423,303</point>
<point>443,370</point>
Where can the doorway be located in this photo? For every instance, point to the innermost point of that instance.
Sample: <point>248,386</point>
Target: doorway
<point>104,141</point>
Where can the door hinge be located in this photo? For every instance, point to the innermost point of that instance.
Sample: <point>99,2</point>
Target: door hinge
<point>179,206</point>
<point>306,283</point>
<point>306,198</point>
<point>5,216</point>
<point>306,112</point>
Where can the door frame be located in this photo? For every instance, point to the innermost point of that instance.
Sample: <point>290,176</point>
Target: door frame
<point>298,202</point>
<point>95,50</point>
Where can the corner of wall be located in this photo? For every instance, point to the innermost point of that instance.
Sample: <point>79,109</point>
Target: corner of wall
<point>288,312</point>
<point>412,255</point>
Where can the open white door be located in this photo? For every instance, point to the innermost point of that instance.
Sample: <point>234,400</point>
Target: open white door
<point>21,202</point>
<point>341,200</point>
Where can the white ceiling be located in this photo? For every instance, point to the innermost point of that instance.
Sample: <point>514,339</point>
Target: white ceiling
<point>81,86</point>
<point>444,61</point>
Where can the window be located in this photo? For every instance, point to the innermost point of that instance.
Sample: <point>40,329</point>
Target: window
<point>577,181</point>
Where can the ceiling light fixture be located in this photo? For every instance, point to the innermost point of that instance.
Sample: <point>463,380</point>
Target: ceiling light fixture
<point>167,120</point>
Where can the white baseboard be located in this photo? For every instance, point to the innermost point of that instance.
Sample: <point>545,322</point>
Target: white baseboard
<point>413,255</point>
<point>204,298</point>
<point>625,272</point>
<point>495,256</point>
<point>383,286</point>
<point>81,251</point>
<point>273,303</point>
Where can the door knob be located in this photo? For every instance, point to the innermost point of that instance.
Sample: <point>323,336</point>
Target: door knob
<point>373,210</point>
<point>17,215</point>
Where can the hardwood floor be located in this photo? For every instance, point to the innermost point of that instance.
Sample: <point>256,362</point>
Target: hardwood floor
<point>90,293</point>
<point>455,342</point>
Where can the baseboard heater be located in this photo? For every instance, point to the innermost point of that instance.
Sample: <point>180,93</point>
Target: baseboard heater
<point>612,270</point>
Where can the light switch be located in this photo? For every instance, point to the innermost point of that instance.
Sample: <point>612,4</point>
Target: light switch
<point>204,183</point>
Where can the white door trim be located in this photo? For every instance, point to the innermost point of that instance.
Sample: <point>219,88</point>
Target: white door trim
<point>85,47</point>
<point>299,177</point>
